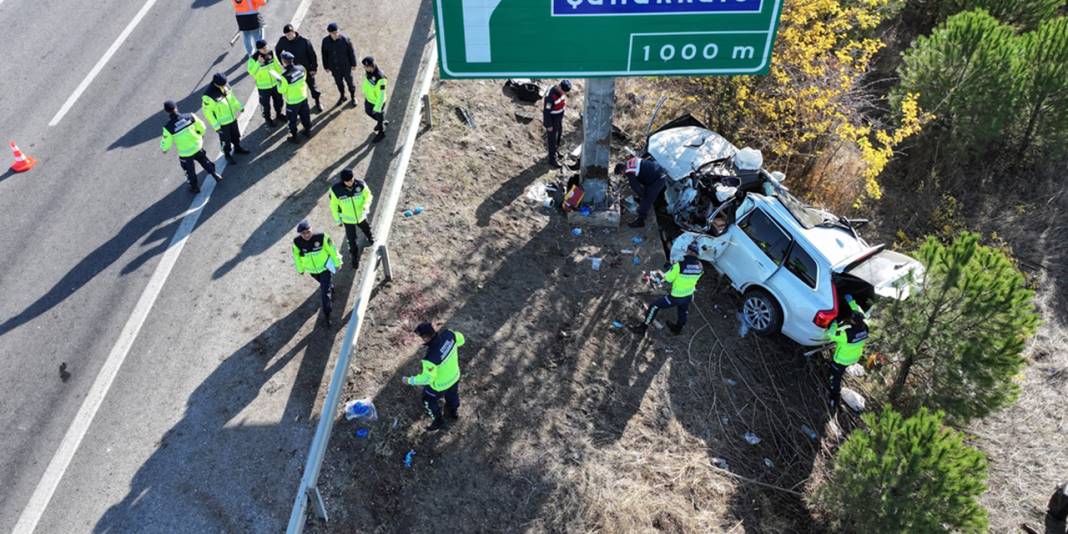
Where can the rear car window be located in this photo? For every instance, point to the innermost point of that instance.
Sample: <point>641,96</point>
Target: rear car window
<point>766,234</point>
<point>802,265</point>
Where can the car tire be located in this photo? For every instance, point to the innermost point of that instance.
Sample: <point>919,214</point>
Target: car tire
<point>762,312</point>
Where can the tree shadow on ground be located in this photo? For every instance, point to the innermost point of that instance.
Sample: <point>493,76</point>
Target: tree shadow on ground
<point>200,469</point>
<point>471,460</point>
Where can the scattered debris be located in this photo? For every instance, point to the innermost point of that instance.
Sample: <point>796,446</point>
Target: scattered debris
<point>585,211</point>
<point>465,116</point>
<point>627,251</point>
<point>721,463</point>
<point>768,463</point>
<point>576,232</point>
<point>636,260</point>
<point>524,117</point>
<point>362,410</point>
<point>812,435</point>
<point>637,240</point>
<point>855,370</point>
<point>616,325</point>
<point>751,438</point>
<point>730,381</point>
<point>853,399</point>
<point>408,459</point>
<point>595,263</point>
<point>362,433</point>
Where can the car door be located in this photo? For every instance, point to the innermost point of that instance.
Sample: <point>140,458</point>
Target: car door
<point>757,247</point>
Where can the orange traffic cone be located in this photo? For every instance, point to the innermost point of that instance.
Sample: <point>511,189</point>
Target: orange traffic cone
<point>23,162</point>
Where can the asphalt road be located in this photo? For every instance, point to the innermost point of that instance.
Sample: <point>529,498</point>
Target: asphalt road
<point>207,423</point>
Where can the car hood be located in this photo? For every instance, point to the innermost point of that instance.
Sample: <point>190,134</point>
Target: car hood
<point>681,150</point>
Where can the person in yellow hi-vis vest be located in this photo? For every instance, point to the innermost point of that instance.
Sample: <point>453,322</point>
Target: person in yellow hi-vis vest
<point>293,84</point>
<point>374,90</point>
<point>314,254</point>
<point>441,373</point>
<point>185,132</point>
<point>261,64</point>
<point>221,108</point>
<point>849,337</point>
<point>350,201</point>
<point>683,277</point>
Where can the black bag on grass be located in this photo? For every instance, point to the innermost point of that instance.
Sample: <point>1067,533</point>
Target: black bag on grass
<point>524,90</point>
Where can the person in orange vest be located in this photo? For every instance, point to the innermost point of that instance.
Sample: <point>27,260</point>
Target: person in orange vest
<point>249,22</point>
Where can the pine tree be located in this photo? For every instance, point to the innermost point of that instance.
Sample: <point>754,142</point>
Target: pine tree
<point>905,476</point>
<point>1023,13</point>
<point>957,341</point>
<point>1042,85</point>
<point>963,74</point>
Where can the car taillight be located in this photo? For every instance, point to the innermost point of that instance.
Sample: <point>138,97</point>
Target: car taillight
<point>823,318</point>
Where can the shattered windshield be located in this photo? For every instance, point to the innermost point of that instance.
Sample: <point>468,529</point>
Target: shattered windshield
<point>807,216</point>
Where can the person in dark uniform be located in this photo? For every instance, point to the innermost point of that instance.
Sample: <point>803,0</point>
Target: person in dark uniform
<point>315,255</point>
<point>303,55</point>
<point>185,132</point>
<point>553,118</point>
<point>339,59</point>
<point>441,373</point>
<point>647,180</point>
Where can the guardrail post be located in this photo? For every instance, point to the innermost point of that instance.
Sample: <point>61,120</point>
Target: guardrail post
<point>387,267</point>
<point>428,110</point>
<point>316,499</point>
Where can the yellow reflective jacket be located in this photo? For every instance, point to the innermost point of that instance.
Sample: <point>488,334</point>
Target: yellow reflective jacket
<point>311,255</point>
<point>441,363</point>
<point>374,89</point>
<point>350,206</point>
<point>220,106</point>
<point>684,275</point>
<point>184,131</point>
<point>262,73</point>
<point>292,83</point>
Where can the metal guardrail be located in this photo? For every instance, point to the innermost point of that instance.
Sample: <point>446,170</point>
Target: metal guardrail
<point>308,492</point>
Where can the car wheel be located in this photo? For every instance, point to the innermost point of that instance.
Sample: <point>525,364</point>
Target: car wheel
<point>762,312</point>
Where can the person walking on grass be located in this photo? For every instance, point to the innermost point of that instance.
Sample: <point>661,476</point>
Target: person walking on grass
<point>440,378</point>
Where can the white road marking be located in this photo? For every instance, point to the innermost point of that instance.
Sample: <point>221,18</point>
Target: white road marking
<point>100,64</point>
<point>46,487</point>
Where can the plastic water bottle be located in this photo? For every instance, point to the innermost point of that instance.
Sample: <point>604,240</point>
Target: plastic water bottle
<point>418,210</point>
<point>585,211</point>
<point>576,232</point>
<point>408,459</point>
<point>616,325</point>
<point>362,410</point>
<point>407,213</point>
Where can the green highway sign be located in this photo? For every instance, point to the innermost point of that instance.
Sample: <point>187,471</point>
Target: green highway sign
<point>595,38</point>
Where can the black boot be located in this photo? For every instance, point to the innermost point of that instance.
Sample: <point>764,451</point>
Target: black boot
<point>675,329</point>
<point>230,159</point>
<point>436,425</point>
<point>293,139</point>
<point>194,188</point>
<point>240,149</point>
<point>381,135</point>
<point>306,133</point>
<point>452,414</point>
<point>639,329</point>
<point>636,223</point>
<point>318,107</point>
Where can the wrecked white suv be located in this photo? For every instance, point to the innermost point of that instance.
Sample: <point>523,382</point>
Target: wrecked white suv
<point>793,263</point>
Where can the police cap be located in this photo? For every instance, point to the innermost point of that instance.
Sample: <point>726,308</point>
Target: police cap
<point>170,107</point>
<point>218,79</point>
<point>287,55</point>
<point>303,226</point>
<point>261,44</point>
<point>368,61</point>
